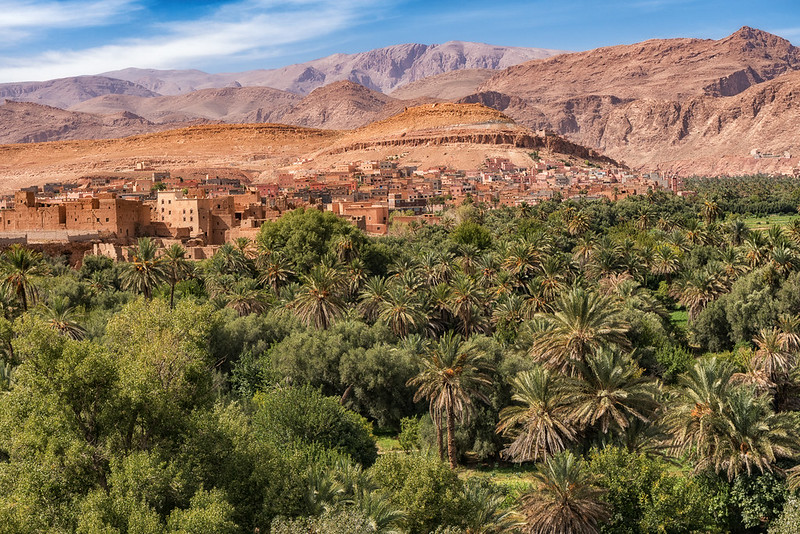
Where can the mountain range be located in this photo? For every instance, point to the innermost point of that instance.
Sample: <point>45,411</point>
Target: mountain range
<point>691,106</point>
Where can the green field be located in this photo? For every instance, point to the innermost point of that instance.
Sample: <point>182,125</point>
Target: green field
<point>765,221</point>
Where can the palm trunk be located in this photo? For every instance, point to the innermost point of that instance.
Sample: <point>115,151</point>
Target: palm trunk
<point>451,437</point>
<point>439,439</point>
<point>172,296</point>
<point>23,298</point>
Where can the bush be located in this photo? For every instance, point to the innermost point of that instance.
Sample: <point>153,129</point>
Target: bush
<point>423,486</point>
<point>303,416</point>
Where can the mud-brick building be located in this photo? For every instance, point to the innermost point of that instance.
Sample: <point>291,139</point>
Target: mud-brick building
<point>210,219</point>
<point>29,215</point>
<point>105,214</point>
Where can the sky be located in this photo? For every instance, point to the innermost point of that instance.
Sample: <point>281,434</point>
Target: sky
<point>47,39</point>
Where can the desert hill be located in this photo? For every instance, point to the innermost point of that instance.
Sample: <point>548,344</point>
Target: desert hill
<point>66,92</point>
<point>340,105</point>
<point>25,122</point>
<point>447,86</point>
<point>460,135</point>
<point>382,69</point>
<point>232,105</point>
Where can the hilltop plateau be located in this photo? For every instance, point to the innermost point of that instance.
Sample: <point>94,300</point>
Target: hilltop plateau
<point>459,135</point>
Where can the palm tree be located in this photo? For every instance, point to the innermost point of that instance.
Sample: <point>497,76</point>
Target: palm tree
<point>145,270</point>
<point>372,296</point>
<point>318,302</point>
<point>452,372</point>
<point>666,261</point>
<point>61,318</point>
<point>176,268</point>
<point>773,354</point>
<point>466,299</point>
<point>696,288</point>
<point>610,393</point>
<point>488,513</point>
<point>401,311</point>
<point>737,231</point>
<point>275,269</point>
<point>565,499</point>
<point>245,297</point>
<point>725,427</point>
<point>582,323</point>
<point>711,211</point>
<point>538,423</point>
<point>18,267</point>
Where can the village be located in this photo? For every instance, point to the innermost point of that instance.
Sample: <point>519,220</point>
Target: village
<point>203,213</point>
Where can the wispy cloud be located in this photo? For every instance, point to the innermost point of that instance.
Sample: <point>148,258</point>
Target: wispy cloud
<point>20,16</point>
<point>246,28</point>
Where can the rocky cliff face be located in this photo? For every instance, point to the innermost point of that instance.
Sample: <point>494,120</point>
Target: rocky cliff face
<point>660,101</point>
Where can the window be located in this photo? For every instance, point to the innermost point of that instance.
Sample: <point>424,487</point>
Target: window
<point>106,219</point>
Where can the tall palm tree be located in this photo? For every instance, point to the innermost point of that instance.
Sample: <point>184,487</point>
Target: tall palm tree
<point>565,499</point>
<point>145,271</point>
<point>582,322</point>
<point>773,354</point>
<point>319,300</point>
<point>666,261</point>
<point>609,393</point>
<point>18,268</point>
<point>176,268</point>
<point>710,211</point>
<point>452,373</point>
<point>538,423</point>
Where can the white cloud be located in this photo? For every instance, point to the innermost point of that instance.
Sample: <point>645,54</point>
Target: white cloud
<point>37,15</point>
<point>251,27</point>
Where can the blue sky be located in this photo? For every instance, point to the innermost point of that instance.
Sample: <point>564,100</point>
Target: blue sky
<point>45,39</point>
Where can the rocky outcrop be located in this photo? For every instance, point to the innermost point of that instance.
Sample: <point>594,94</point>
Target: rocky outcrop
<point>661,100</point>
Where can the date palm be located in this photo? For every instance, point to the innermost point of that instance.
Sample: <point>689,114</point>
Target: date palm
<point>318,302</point>
<point>582,323</point>
<point>610,393</point>
<point>666,261</point>
<point>246,298</point>
<point>466,298</point>
<point>401,311</point>
<point>696,289</point>
<point>773,354</point>
<point>274,269</point>
<point>488,513</point>
<point>737,232</point>
<point>19,266</point>
<point>538,421</point>
<point>452,373</point>
<point>145,271</point>
<point>176,268</point>
<point>60,316</point>
<point>565,498</point>
<point>727,428</point>
<point>749,436</point>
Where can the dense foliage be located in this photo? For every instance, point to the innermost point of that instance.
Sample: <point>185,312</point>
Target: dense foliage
<point>635,363</point>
